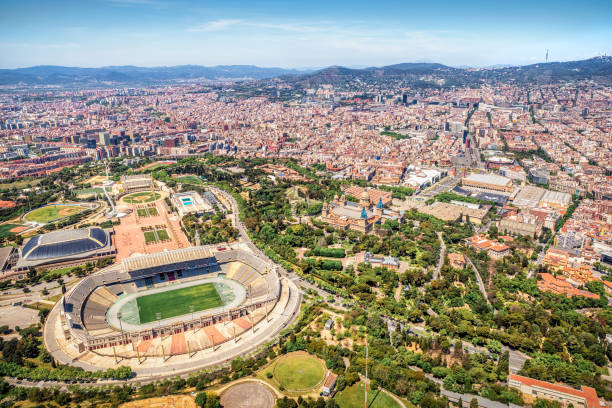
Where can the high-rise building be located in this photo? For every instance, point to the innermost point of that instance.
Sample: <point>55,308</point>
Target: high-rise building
<point>104,138</point>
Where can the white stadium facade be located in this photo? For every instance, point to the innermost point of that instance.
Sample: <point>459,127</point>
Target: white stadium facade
<point>90,328</point>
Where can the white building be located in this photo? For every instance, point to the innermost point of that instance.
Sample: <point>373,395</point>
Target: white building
<point>191,203</point>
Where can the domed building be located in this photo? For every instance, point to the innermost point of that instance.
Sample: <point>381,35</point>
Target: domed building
<point>66,248</point>
<point>360,216</point>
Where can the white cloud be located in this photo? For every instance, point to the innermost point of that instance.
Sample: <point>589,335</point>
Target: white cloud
<point>215,25</point>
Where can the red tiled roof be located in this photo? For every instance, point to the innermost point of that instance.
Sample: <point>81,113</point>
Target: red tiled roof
<point>7,204</point>
<point>559,285</point>
<point>588,393</point>
<point>331,379</point>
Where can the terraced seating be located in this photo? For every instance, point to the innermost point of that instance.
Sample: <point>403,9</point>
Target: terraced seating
<point>232,269</point>
<point>128,288</point>
<point>94,315</point>
<point>98,299</point>
<point>262,290</point>
<point>102,331</point>
<point>116,289</point>
<point>244,269</point>
<point>106,295</point>
<point>250,276</point>
<point>224,268</point>
<point>257,282</point>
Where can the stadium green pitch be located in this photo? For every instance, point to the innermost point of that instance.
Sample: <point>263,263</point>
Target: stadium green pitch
<point>176,302</point>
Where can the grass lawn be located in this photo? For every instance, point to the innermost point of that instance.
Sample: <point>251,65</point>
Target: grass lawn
<point>147,212</point>
<point>190,180</point>
<point>176,302</point>
<point>20,184</point>
<point>299,372</point>
<point>52,213</point>
<point>56,273</point>
<point>54,298</point>
<point>153,166</point>
<point>352,397</point>
<point>38,306</point>
<point>89,192</point>
<point>162,235</point>
<point>5,229</point>
<point>150,237</point>
<point>141,197</point>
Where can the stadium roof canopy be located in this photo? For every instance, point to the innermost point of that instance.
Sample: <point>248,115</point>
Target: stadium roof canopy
<point>64,243</point>
<point>183,257</point>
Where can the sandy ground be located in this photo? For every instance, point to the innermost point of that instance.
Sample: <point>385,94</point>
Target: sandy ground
<point>96,180</point>
<point>174,401</point>
<point>248,394</point>
<point>129,238</point>
<point>18,316</point>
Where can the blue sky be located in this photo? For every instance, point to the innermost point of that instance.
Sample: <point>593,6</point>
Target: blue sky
<point>311,33</point>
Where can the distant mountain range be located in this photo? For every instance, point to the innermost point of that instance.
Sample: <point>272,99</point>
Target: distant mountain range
<point>131,75</point>
<point>598,69</point>
<point>423,74</point>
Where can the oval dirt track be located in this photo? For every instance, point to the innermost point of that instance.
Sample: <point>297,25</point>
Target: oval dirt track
<point>248,394</point>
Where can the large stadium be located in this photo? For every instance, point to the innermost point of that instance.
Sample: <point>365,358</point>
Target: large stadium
<point>173,310</point>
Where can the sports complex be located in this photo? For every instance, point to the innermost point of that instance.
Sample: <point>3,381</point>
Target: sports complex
<point>164,306</point>
<point>179,309</point>
<point>54,212</point>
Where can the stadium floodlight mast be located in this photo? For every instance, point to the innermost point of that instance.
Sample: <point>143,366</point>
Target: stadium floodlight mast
<point>119,316</point>
<point>158,318</point>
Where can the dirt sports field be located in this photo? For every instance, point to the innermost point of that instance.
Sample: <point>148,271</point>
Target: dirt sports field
<point>130,237</point>
<point>95,180</point>
<point>248,394</point>
<point>175,401</point>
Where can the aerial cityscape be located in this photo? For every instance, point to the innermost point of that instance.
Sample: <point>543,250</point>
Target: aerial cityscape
<point>314,205</point>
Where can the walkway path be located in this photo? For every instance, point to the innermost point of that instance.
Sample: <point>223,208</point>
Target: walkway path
<point>436,273</point>
<point>481,285</point>
<point>395,397</point>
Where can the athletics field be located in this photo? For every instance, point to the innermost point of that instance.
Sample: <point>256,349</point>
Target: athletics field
<point>176,302</point>
<point>53,212</point>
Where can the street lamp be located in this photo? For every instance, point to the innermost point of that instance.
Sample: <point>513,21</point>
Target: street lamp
<point>158,317</point>
<point>191,309</point>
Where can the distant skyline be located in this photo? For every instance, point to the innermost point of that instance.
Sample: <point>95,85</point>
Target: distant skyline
<point>301,34</point>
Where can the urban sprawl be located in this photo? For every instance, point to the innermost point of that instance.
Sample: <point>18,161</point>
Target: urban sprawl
<point>463,236</point>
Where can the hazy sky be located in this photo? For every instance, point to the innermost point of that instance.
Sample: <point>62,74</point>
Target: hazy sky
<point>307,33</point>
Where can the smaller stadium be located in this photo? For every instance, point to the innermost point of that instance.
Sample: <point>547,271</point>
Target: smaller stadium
<point>137,182</point>
<point>65,248</point>
<point>55,212</point>
<point>152,307</point>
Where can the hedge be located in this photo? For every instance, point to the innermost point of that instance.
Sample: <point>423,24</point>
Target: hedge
<point>329,252</point>
<point>326,264</point>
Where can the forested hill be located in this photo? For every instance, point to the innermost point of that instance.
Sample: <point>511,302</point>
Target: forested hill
<point>598,69</point>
